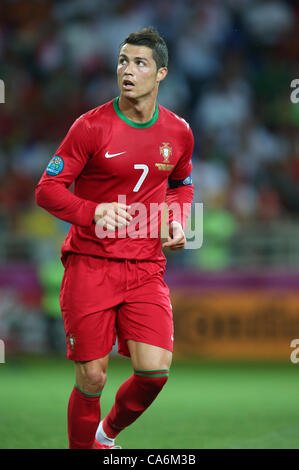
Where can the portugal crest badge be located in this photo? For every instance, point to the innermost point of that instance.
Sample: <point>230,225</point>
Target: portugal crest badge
<point>165,151</point>
<point>72,341</point>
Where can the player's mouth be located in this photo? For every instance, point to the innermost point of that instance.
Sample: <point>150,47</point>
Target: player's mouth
<point>128,84</point>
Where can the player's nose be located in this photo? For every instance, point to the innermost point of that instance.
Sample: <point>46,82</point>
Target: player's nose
<point>128,68</point>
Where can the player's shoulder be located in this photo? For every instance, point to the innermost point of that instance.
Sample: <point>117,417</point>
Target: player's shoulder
<point>174,120</point>
<point>97,115</point>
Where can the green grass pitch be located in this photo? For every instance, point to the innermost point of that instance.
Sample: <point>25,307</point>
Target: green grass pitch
<point>204,405</point>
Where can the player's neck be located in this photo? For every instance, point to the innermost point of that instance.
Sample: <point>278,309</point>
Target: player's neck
<point>139,111</point>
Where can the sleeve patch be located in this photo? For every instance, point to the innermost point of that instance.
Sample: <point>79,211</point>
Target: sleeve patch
<point>172,184</point>
<point>55,166</point>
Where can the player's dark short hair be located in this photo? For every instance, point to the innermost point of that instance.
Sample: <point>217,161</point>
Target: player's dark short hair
<point>151,38</point>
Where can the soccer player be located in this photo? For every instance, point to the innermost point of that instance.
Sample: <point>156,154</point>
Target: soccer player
<point>113,286</point>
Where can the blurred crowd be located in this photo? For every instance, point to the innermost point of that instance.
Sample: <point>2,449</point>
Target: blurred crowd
<point>230,69</point>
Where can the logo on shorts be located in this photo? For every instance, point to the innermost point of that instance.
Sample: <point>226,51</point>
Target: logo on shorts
<point>72,341</point>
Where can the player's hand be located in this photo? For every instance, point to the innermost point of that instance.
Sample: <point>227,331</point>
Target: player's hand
<point>112,215</point>
<point>176,239</point>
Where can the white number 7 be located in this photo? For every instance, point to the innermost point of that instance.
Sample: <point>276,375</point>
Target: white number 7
<point>142,177</point>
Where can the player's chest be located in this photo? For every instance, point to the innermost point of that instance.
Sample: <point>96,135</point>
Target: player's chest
<point>125,149</point>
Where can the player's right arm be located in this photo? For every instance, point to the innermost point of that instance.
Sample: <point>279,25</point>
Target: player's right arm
<point>52,191</point>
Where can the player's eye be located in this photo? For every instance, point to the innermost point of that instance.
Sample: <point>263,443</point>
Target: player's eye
<point>140,63</point>
<point>122,61</point>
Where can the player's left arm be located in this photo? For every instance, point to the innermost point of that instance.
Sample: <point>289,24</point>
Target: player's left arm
<point>179,196</point>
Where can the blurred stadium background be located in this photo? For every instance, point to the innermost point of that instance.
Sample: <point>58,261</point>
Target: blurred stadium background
<point>236,299</point>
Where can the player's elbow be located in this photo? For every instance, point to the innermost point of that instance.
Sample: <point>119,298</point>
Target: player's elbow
<point>38,196</point>
<point>41,196</point>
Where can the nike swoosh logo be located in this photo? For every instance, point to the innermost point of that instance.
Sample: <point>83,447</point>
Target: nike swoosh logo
<point>110,155</point>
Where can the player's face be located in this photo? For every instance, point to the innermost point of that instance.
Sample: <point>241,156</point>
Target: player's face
<point>137,73</point>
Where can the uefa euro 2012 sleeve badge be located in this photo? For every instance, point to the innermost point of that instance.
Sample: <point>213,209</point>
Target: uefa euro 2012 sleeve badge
<point>55,166</point>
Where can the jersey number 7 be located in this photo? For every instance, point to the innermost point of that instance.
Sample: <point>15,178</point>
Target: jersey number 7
<point>144,169</point>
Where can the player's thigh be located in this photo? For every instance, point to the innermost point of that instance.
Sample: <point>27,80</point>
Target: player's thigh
<point>148,357</point>
<point>88,304</point>
<point>89,336</point>
<point>150,326</point>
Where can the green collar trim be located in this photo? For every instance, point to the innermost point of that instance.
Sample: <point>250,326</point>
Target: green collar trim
<point>137,125</point>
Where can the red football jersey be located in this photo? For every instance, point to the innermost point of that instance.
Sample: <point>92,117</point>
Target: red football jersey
<point>108,156</point>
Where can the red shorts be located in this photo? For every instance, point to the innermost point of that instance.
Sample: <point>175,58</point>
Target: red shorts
<point>103,299</point>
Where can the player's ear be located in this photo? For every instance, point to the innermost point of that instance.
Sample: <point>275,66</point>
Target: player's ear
<point>161,74</point>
